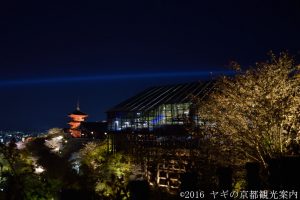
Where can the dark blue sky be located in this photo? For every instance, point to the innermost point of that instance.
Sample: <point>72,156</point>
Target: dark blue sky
<point>53,53</point>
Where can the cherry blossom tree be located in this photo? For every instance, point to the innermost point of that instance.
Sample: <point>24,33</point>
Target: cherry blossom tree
<point>257,111</point>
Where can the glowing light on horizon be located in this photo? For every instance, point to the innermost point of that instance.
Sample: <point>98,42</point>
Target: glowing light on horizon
<point>109,77</point>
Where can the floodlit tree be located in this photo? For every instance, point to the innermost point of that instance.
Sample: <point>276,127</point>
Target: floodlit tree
<point>55,131</point>
<point>17,177</point>
<point>110,171</point>
<point>257,110</point>
<point>55,143</point>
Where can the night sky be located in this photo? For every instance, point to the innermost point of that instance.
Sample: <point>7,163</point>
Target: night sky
<point>102,53</point>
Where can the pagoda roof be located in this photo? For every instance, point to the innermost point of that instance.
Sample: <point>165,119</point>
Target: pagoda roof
<point>77,112</point>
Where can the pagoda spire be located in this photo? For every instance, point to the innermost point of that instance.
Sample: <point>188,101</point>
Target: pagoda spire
<point>78,106</point>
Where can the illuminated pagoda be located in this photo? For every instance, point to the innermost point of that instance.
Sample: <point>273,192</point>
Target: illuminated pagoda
<point>77,117</point>
<point>158,107</point>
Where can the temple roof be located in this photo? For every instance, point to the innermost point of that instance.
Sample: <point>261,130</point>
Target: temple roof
<point>93,126</point>
<point>169,94</point>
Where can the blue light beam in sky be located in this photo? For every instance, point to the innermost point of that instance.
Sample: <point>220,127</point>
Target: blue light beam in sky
<point>109,77</point>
